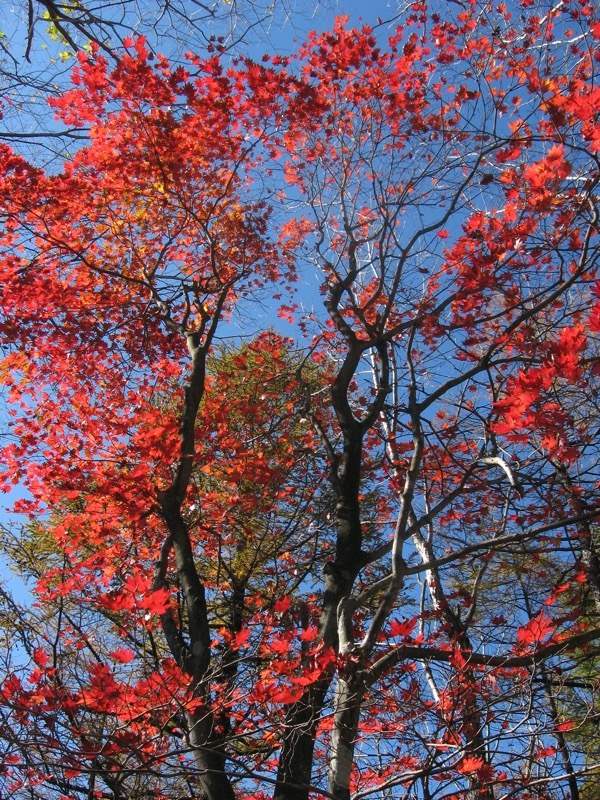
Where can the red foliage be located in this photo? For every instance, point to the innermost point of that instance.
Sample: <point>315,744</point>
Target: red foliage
<point>332,540</point>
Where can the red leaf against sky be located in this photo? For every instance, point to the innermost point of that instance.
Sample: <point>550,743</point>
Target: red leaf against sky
<point>536,630</point>
<point>123,655</point>
<point>470,764</point>
<point>402,627</point>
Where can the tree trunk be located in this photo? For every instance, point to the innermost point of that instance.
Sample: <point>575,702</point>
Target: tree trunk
<point>345,727</point>
<point>296,759</point>
<point>209,758</point>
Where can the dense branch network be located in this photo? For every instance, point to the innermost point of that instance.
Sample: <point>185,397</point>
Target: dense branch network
<point>355,552</point>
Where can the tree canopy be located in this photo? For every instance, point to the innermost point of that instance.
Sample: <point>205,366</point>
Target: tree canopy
<point>301,364</point>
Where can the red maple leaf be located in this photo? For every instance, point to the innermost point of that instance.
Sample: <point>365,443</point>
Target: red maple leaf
<point>123,655</point>
<point>402,627</point>
<point>536,630</point>
<point>567,725</point>
<point>157,602</point>
<point>470,764</point>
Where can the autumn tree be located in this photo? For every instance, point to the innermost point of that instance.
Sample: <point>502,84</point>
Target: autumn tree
<point>354,554</point>
<point>267,548</point>
<point>39,40</point>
